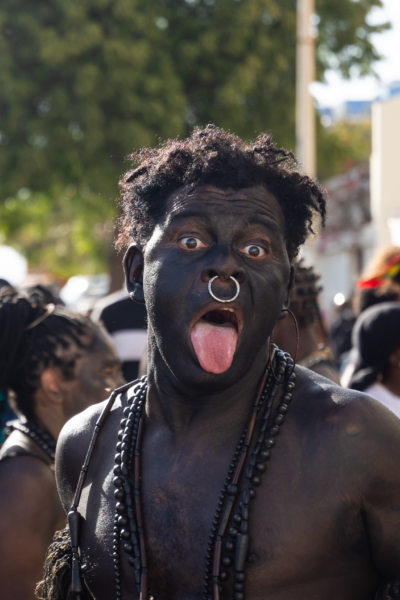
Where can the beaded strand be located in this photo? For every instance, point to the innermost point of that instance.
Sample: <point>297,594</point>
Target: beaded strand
<point>39,435</point>
<point>232,512</point>
<point>128,526</point>
<point>238,541</point>
<point>227,500</point>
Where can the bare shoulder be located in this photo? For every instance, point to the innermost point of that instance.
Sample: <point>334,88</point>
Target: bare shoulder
<point>357,441</point>
<point>351,422</point>
<point>23,477</point>
<point>74,440</point>
<point>28,502</point>
<point>325,397</point>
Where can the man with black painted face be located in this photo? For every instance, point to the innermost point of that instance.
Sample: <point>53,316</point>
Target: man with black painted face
<point>228,473</point>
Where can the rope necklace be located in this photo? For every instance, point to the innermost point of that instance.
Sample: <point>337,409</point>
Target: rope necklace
<point>228,542</point>
<point>39,435</point>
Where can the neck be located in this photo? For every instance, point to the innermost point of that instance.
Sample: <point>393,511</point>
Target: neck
<point>392,380</point>
<point>308,342</point>
<point>182,406</point>
<point>49,419</point>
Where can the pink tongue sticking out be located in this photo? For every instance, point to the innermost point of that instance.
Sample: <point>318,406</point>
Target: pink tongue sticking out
<point>214,345</point>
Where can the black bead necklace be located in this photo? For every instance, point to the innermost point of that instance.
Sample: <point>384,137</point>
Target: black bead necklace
<point>229,539</point>
<point>128,522</point>
<point>39,435</point>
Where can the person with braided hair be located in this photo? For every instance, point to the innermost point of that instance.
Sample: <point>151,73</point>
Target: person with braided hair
<point>53,364</point>
<point>313,350</point>
<point>227,472</point>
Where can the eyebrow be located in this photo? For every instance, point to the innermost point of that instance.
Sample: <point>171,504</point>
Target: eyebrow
<point>189,214</point>
<point>264,220</point>
<point>255,218</point>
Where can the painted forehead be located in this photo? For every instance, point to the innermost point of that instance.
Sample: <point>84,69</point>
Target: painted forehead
<point>256,200</point>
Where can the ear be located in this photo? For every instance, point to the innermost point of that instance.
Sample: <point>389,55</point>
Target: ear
<point>133,268</point>
<point>51,385</point>
<point>286,301</point>
<point>394,359</point>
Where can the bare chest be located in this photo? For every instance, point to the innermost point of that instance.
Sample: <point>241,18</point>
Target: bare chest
<point>301,530</point>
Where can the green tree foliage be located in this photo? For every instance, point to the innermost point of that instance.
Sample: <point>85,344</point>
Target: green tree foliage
<point>68,232</point>
<point>344,39</point>
<point>237,58</point>
<point>84,82</point>
<point>343,146</point>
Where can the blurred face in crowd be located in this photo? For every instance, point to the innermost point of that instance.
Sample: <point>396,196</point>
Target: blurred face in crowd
<point>97,373</point>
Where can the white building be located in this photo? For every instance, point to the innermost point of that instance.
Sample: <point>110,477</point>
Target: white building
<point>385,166</point>
<point>363,209</point>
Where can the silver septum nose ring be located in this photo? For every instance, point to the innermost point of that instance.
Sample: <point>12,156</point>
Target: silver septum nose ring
<point>235,295</point>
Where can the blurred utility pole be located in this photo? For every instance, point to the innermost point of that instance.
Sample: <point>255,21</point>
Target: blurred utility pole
<point>305,74</point>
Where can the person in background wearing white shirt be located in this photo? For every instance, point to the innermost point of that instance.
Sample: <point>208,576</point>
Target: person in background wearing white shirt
<point>376,337</point>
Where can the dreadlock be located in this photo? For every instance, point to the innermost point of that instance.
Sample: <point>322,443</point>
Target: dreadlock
<point>304,295</point>
<point>56,581</point>
<point>213,156</point>
<point>32,335</point>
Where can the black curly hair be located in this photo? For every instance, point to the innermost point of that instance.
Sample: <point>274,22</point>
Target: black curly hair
<point>30,341</point>
<point>214,156</point>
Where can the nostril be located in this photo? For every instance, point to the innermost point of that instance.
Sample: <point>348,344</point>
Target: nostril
<point>223,274</point>
<point>239,276</point>
<point>209,274</point>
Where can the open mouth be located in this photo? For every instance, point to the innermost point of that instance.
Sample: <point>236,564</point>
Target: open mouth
<point>214,338</point>
<point>221,317</point>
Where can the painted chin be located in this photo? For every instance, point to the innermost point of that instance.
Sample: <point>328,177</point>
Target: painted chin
<point>214,337</point>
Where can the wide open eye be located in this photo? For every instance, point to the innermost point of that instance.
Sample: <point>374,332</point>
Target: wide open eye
<point>254,251</point>
<point>191,243</point>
